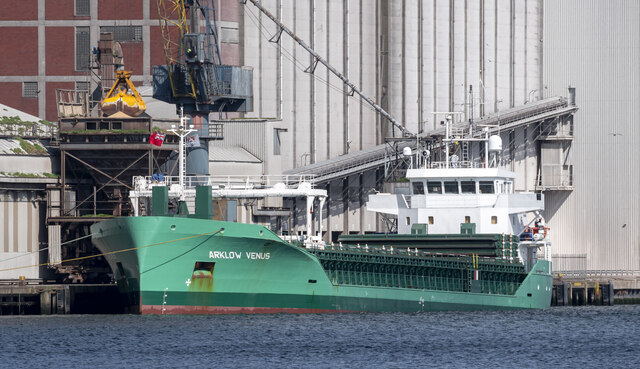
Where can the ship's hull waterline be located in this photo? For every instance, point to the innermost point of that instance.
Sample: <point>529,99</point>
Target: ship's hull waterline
<point>179,265</point>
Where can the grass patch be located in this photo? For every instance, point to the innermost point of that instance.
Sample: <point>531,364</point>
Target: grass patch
<point>31,148</point>
<point>17,150</point>
<point>30,175</point>
<point>16,120</point>
<point>24,175</point>
<point>100,215</point>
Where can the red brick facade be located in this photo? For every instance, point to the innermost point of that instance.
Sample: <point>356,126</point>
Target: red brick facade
<point>60,59</point>
<point>28,10</point>
<point>11,95</point>
<point>61,10</point>
<point>44,51</point>
<point>19,47</point>
<point>121,9</point>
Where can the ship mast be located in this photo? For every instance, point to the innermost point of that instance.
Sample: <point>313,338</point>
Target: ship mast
<point>319,59</point>
<point>182,133</point>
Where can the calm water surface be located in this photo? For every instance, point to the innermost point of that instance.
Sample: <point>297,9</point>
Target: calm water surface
<point>576,337</point>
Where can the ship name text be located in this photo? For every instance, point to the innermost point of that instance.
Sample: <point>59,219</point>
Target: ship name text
<point>239,255</point>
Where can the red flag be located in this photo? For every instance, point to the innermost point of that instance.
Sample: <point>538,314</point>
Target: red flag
<point>157,138</point>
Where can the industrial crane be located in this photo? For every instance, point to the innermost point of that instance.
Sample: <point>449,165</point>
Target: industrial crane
<point>194,77</point>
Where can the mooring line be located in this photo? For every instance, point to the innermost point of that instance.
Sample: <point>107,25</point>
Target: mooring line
<point>114,252</point>
<point>46,248</point>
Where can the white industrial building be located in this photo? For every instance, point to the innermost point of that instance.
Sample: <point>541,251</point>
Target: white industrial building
<point>417,57</point>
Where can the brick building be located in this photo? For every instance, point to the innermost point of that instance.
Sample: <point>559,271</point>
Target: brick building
<point>46,45</point>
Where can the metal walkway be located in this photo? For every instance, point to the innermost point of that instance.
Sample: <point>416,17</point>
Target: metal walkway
<point>375,157</point>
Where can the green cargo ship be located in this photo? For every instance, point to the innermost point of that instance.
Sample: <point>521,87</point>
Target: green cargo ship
<point>178,265</point>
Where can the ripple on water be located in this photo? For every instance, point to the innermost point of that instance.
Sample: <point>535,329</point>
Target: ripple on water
<point>573,337</point>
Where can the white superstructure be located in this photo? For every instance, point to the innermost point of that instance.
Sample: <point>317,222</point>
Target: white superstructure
<point>443,199</point>
<point>455,197</point>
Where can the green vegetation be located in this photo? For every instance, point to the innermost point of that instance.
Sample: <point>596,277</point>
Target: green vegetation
<point>29,175</point>
<point>17,150</point>
<point>158,129</point>
<point>24,175</point>
<point>15,125</point>
<point>31,148</point>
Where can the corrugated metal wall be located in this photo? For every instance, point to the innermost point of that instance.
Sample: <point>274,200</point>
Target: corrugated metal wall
<point>594,46</point>
<point>413,57</point>
<point>19,234</point>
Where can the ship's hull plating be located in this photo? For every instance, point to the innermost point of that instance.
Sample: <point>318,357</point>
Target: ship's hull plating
<point>168,265</point>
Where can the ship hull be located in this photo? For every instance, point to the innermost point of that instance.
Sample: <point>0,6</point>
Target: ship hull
<point>173,265</point>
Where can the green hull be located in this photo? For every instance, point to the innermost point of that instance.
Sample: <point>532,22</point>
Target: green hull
<point>180,265</point>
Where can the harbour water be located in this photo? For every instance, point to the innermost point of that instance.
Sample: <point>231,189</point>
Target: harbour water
<point>575,337</point>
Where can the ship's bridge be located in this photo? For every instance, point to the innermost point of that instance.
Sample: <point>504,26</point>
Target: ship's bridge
<point>435,181</point>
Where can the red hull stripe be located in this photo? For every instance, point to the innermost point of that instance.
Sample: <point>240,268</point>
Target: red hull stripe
<point>184,309</point>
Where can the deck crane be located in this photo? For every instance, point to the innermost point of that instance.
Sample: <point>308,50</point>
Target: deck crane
<point>318,59</point>
<point>194,77</point>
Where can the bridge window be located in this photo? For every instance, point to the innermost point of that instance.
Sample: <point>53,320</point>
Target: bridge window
<point>486,187</point>
<point>468,186</point>
<point>418,188</point>
<point>434,187</point>
<point>430,220</point>
<point>467,219</point>
<point>451,187</point>
<point>494,219</point>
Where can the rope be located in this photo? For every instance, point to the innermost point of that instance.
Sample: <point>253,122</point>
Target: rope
<point>117,251</point>
<point>46,248</point>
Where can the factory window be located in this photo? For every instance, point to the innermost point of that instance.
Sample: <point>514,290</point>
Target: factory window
<point>430,220</point>
<point>124,33</point>
<point>434,187</point>
<point>83,8</point>
<point>277,140</point>
<point>83,48</point>
<point>467,219</point>
<point>451,187</point>
<point>30,89</point>
<point>468,186</point>
<point>92,126</point>
<point>486,187</point>
<point>418,188</point>
<point>494,219</point>
<point>116,125</point>
<point>82,86</point>
<point>104,125</point>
